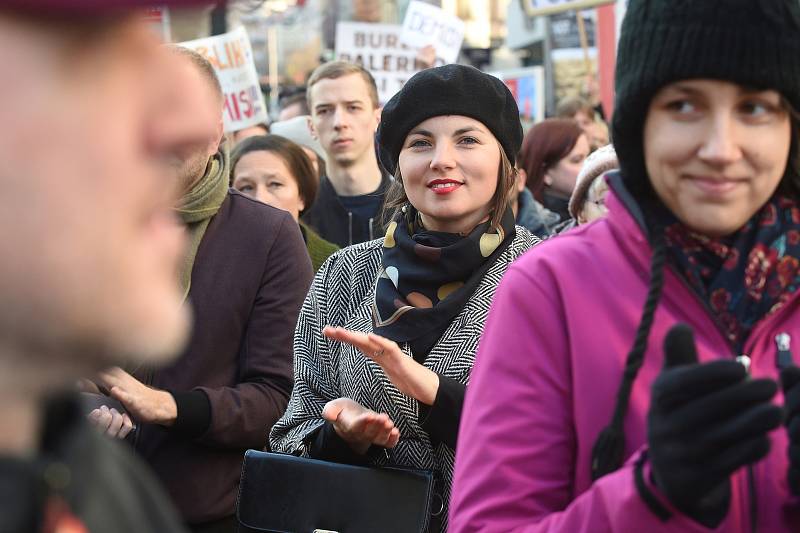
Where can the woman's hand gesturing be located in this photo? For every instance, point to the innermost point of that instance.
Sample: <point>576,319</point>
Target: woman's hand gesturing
<point>410,377</point>
<point>360,427</point>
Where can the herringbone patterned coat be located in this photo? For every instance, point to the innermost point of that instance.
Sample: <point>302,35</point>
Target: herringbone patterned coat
<point>324,370</point>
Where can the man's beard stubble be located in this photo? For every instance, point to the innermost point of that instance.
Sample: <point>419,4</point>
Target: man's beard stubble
<point>188,171</point>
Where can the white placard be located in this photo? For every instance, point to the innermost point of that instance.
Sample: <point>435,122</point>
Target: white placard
<point>232,58</point>
<point>426,24</point>
<point>378,49</point>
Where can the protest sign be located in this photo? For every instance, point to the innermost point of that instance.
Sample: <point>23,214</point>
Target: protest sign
<point>534,8</point>
<point>426,24</point>
<point>232,58</point>
<point>378,49</point>
<point>527,86</point>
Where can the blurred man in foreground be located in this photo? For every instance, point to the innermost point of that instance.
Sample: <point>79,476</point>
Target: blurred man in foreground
<point>89,253</point>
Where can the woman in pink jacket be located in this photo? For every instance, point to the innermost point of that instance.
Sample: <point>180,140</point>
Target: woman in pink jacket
<point>590,407</point>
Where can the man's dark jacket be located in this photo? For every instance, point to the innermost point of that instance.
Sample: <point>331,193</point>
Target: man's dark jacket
<point>334,223</point>
<point>84,474</point>
<point>249,279</point>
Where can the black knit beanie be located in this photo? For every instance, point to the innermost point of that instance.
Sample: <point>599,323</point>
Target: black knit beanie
<point>449,90</point>
<point>754,43</point>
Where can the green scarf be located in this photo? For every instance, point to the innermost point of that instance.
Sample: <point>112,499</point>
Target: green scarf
<point>198,207</point>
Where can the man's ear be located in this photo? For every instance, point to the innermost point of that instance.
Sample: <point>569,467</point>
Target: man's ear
<point>219,135</point>
<point>311,127</point>
<point>378,112</point>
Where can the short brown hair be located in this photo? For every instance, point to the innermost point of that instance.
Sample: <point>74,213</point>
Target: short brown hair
<point>301,98</point>
<point>293,156</point>
<point>201,64</point>
<point>336,69</point>
<point>396,196</point>
<point>572,105</point>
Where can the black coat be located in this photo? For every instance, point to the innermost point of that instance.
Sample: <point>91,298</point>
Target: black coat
<point>105,487</point>
<point>334,223</point>
<point>249,279</point>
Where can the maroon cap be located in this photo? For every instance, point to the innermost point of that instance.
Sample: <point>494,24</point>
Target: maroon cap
<point>95,7</point>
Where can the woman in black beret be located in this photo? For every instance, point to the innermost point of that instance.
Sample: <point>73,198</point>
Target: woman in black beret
<point>388,333</point>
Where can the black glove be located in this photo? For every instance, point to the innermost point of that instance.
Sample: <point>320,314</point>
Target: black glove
<point>790,379</point>
<point>705,422</point>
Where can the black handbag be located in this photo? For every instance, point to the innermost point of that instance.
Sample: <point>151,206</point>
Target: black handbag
<point>288,494</point>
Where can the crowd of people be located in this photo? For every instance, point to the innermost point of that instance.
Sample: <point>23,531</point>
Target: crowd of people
<point>568,335</point>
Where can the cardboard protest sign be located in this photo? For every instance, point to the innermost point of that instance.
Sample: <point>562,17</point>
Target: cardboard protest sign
<point>535,8</point>
<point>232,58</point>
<point>426,24</point>
<point>377,48</point>
<point>527,86</point>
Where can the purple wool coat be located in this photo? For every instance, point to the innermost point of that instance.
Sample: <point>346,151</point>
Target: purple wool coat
<point>546,378</point>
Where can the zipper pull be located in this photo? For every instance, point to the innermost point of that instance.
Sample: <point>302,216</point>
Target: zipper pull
<point>745,361</point>
<point>783,359</point>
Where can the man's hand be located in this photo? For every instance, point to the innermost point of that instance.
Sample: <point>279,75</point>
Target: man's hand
<point>360,427</point>
<point>144,404</point>
<point>111,422</point>
<point>426,57</point>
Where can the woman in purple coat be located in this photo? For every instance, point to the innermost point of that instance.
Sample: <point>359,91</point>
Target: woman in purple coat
<point>591,408</point>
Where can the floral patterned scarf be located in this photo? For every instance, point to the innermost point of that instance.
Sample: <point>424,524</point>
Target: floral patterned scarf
<point>748,275</point>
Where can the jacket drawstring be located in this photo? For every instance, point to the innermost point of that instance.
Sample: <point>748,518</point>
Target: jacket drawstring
<point>609,448</point>
<point>350,228</point>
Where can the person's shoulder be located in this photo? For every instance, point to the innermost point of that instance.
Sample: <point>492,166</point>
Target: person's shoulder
<point>257,222</point>
<point>260,229</point>
<point>524,239</point>
<point>245,206</point>
<point>572,252</point>
<point>356,263</point>
<point>318,248</point>
<point>348,274</point>
<point>353,257</point>
<point>120,480</point>
<point>316,242</point>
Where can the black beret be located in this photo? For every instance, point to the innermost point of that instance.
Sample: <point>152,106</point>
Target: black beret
<point>449,90</point>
